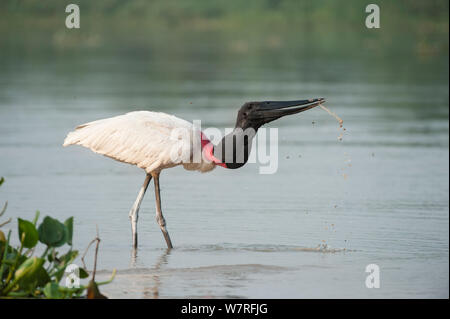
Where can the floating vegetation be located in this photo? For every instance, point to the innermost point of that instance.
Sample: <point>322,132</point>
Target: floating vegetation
<point>25,275</point>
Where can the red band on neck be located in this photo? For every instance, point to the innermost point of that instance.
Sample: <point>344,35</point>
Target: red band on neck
<point>208,151</point>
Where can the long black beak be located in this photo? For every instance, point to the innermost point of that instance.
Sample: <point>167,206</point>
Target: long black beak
<point>271,110</point>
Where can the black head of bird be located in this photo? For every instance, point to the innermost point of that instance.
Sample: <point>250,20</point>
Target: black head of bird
<point>234,149</point>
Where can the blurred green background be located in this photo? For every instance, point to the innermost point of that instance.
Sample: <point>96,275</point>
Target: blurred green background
<point>244,29</point>
<point>416,26</point>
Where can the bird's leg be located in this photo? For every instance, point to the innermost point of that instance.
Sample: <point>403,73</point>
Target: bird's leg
<point>135,210</point>
<point>159,216</point>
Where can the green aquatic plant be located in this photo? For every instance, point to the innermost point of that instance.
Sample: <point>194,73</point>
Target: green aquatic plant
<point>23,274</point>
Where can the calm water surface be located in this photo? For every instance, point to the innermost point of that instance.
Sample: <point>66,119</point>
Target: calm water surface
<point>378,197</point>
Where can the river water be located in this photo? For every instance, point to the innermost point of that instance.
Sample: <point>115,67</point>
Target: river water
<point>379,196</point>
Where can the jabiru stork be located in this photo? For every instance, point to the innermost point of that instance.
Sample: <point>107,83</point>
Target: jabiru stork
<point>143,138</point>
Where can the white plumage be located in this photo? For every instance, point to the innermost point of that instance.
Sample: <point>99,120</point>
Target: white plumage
<point>141,138</point>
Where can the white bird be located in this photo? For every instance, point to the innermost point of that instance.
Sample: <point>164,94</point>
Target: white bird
<point>153,141</point>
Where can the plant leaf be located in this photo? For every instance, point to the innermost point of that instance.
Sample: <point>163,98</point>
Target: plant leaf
<point>83,273</point>
<point>30,274</point>
<point>42,277</point>
<point>51,291</point>
<point>69,225</point>
<point>52,232</point>
<point>31,234</point>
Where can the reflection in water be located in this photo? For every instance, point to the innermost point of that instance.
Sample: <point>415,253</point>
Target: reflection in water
<point>151,291</point>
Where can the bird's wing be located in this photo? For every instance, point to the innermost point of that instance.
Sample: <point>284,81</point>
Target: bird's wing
<point>141,138</point>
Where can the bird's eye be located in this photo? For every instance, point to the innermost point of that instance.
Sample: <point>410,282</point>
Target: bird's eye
<point>245,114</point>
